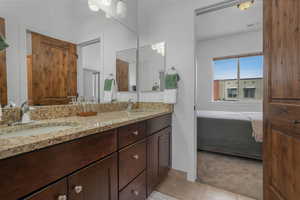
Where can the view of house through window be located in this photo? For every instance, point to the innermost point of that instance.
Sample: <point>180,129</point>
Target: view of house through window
<point>238,78</point>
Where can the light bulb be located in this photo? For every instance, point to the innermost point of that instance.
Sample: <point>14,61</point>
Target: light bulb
<point>106,2</point>
<point>121,9</point>
<point>246,5</point>
<point>93,5</point>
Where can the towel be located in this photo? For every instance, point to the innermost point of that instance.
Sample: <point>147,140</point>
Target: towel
<point>109,90</point>
<point>256,119</point>
<point>171,81</point>
<point>3,44</point>
<point>171,87</point>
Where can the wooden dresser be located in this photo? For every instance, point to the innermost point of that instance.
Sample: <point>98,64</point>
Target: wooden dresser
<point>126,164</point>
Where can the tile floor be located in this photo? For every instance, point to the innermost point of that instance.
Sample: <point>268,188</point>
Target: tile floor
<point>176,186</point>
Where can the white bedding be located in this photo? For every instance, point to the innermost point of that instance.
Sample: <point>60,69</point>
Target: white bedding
<point>256,119</point>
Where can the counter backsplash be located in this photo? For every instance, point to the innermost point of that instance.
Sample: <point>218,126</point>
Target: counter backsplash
<point>59,111</point>
<point>54,112</point>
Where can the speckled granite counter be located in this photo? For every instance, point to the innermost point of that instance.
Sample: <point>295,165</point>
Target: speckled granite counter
<point>84,126</point>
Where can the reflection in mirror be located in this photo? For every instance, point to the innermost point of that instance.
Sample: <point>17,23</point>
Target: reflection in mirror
<point>152,67</point>
<point>126,70</point>
<point>61,49</point>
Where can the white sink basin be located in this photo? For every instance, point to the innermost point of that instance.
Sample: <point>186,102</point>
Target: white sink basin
<point>35,129</point>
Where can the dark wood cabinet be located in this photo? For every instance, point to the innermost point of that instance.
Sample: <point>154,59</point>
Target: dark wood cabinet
<point>56,191</point>
<point>132,161</point>
<point>158,158</point>
<point>98,181</point>
<point>112,165</point>
<point>136,190</point>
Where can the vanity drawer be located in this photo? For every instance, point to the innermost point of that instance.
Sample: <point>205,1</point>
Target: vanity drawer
<point>159,123</point>
<point>32,171</point>
<point>136,190</point>
<point>132,161</point>
<point>55,191</point>
<point>132,133</point>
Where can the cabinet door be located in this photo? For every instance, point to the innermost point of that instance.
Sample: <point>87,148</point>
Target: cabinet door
<point>56,191</point>
<point>159,158</point>
<point>99,181</point>
<point>164,153</point>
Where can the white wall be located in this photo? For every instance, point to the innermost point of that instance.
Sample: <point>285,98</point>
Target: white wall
<point>237,44</point>
<point>173,22</point>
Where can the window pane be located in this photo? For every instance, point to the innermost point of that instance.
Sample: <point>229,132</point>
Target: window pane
<point>251,67</point>
<point>251,78</point>
<point>225,80</point>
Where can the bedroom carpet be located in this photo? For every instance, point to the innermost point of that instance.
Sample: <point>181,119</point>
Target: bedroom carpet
<point>238,175</point>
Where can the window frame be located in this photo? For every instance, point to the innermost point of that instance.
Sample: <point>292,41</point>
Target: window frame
<point>238,57</point>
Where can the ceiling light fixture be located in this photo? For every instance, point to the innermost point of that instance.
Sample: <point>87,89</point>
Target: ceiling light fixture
<point>106,2</point>
<point>94,5</point>
<point>121,8</point>
<point>245,5</point>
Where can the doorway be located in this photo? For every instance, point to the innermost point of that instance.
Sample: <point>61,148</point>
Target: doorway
<point>229,96</point>
<point>90,60</point>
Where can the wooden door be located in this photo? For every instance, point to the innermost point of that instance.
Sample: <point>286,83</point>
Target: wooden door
<point>99,181</point>
<point>123,75</point>
<point>3,75</point>
<point>282,100</point>
<point>53,72</point>
<point>56,191</point>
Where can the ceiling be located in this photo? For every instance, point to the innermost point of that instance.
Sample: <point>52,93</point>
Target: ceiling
<point>229,21</point>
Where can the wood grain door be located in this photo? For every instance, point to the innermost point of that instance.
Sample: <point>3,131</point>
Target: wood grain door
<point>282,100</point>
<point>99,181</point>
<point>53,72</point>
<point>56,191</point>
<point>123,75</point>
<point>3,75</point>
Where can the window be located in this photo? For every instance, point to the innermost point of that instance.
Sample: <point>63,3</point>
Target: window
<point>238,78</point>
<point>232,93</point>
<point>249,92</point>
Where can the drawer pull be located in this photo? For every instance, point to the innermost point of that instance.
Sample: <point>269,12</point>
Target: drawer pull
<point>78,189</point>
<point>136,157</point>
<point>135,192</point>
<point>136,133</point>
<point>296,121</point>
<point>62,197</point>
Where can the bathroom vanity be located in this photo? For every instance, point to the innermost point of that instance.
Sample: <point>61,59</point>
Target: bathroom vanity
<point>118,161</point>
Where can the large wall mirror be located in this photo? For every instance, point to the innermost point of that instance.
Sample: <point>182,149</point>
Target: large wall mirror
<point>152,67</point>
<point>60,49</point>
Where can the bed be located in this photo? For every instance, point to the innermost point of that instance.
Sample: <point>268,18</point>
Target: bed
<point>229,133</point>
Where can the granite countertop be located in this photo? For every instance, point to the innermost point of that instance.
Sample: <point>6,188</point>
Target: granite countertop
<point>83,126</point>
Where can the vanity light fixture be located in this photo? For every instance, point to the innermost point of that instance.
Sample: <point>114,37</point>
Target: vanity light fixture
<point>245,5</point>
<point>94,5</point>
<point>121,8</point>
<point>106,2</point>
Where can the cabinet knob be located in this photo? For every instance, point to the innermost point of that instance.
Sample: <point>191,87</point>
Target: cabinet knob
<point>135,192</point>
<point>136,157</point>
<point>78,189</point>
<point>136,133</point>
<point>296,121</point>
<point>62,197</point>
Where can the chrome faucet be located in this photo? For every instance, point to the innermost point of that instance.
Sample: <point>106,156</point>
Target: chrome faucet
<point>24,116</point>
<point>130,105</point>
